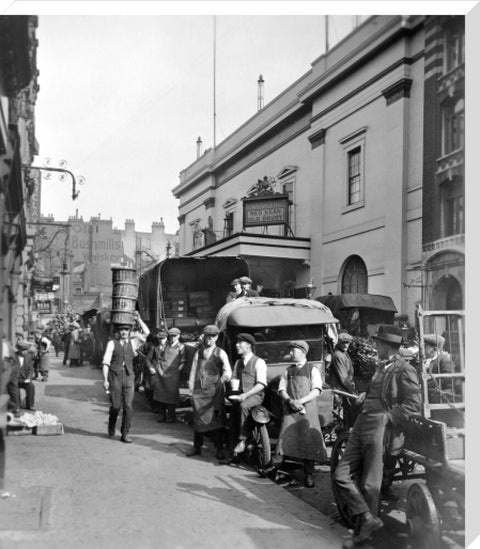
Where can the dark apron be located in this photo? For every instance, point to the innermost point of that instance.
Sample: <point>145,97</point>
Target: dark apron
<point>167,379</point>
<point>301,435</point>
<point>208,394</point>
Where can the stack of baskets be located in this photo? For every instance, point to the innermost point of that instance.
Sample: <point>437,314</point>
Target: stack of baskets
<point>124,295</point>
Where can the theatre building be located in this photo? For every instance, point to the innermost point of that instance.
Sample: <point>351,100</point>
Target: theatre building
<point>321,190</point>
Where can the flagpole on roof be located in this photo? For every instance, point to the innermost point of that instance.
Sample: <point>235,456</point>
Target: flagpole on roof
<point>214,80</point>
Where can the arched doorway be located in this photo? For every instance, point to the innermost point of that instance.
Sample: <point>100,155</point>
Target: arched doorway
<point>354,278</point>
<point>447,294</point>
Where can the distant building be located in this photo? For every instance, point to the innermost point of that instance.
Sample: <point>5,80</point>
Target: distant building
<point>146,248</point>
<point>79,255</point>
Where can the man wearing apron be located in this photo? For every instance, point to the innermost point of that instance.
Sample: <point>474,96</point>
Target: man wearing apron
<point>167,383</point>
<point>300,434</point>
<point>210,371</point>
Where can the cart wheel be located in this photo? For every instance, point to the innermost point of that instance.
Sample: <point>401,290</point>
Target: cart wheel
<point>422,517</point>
<point>261,453</point>
<point>337,451</point>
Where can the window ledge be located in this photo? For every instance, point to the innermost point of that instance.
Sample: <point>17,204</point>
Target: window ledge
<point>352,207</point>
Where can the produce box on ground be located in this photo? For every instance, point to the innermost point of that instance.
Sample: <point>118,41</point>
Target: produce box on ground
<point>39,423</point>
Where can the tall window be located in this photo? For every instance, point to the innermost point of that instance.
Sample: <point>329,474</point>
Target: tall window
<point>355,276</point>
<point>453,125</point>
<point>228,224</point>
<point>354,176</point>
<point>354,187</point>
<point>453,207</point>
<point>454,49</point>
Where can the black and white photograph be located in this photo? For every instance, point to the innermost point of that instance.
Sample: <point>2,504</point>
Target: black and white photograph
<point>233,277</point>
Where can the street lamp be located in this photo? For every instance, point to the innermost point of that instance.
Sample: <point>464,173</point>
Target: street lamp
<point>47,170</point>
<point>168,248</point>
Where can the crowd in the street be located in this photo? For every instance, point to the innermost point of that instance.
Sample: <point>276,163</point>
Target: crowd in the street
<point>136,359</point>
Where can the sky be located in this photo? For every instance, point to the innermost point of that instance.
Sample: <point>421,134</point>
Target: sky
<point>126,88</point>
<point>123,99</point>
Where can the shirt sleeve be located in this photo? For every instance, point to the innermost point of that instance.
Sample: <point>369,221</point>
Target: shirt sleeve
<point>261,372</point>
<point>282,386</point>
<point>193,371</point>
<point>316,379</point>
<point>107,357</point>
<point>226,368</point>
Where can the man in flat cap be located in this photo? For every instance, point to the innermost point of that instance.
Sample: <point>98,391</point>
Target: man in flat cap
<point>152,350</point>
<point>341,378</point>
<point>210,371</point>
<point>119,378</point>
<point>251,371</point>
<point>21,377</point>
<point>393,396</point>
<point>300,434</point>
<point>170,362</point>
<point>246,283</point>
<point>236,290</point>
<point>438,362</point>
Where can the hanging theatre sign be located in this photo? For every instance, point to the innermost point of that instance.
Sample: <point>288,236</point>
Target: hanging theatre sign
<point>263,206</point>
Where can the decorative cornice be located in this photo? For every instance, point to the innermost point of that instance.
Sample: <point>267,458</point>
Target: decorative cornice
<point>397,91</point>
<point>209,202</point>
<point>181,219</point>
<point>317,138</point>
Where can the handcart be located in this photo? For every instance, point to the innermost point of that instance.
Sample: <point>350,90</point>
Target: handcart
<point>433,457</point>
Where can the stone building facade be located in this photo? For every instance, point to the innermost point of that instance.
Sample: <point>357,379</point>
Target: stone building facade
<point>343,143</point>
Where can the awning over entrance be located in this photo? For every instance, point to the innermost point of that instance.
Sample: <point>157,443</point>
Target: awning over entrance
<point>261,245</point>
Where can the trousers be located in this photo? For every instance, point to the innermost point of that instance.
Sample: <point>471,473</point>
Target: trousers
<point>238,424</point>
<point>358,475</point>
<point>121,396</point>
<point>13,389</point>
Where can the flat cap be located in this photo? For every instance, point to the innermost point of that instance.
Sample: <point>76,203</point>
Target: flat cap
<point>389,334</point>
<point>211,330</point>
<point>174,332</point>
<point>344,337</point>
<point>235,281</point>
<point>245,280</point>
<point>434,340</point>
<point>300,344</point>
<point>121,326</point>
<point>161,333</point>
<point>22,346</point>
<point>246,337</point>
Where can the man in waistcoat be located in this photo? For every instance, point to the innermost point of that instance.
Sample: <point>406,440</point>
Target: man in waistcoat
<point>210,371</point>
<point>119,379</point>
<point>251,370</point>
<point>247,291</point>
<point>393,396</point>
<point>301,434</point>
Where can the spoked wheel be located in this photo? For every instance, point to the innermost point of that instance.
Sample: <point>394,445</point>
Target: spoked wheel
<point>261,453</point>
<point>422,518</point>
<point>337,452</point>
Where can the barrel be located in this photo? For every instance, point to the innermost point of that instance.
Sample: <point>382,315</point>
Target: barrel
<point>123,274</point>
<point>122,317</point>
<point>123,303</point>
<point>125,289</point>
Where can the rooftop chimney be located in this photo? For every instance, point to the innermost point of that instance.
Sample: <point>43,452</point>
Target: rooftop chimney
<point>260,82</point>
<point>199,147</point>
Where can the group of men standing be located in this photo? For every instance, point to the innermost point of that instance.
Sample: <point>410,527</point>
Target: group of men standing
<point>376,416</point>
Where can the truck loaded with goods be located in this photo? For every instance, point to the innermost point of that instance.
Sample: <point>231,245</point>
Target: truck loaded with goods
<point>187,292</point>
